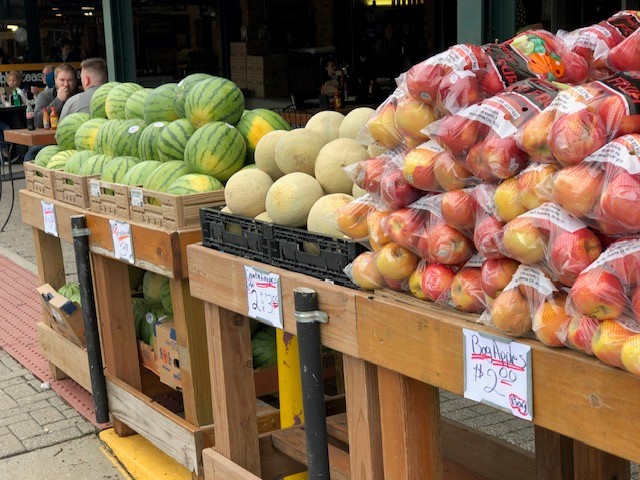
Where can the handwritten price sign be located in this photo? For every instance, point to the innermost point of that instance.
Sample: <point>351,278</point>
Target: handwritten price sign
<point>49,218</point>
<point>497,371</point>
<point>264,298</point>
<point>122,241</point>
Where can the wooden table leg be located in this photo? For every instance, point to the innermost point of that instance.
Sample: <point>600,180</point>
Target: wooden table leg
<point>232,387</point>
<point>554,455</point>
<point>363,418</point>
<point>117,330</point>
<point>593,464</point>
<point>410,420</point>
<point>191,333</point>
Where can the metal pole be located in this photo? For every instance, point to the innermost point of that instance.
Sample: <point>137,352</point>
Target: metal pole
<point>80,234</point>
<point>308,320</point>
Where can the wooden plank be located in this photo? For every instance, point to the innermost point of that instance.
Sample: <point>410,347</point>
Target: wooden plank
<point>268,417</point>
<point>363,413</point>
<point>30,138</point>
<point>234,406</point>
<point>568,387</point>
<point>218,467</point>
<point>219,279</point>
<point>409,418</point>
<point>31,209</point>
<point>167,431</point>
<point>554,455</point>
<point>185,238</point>
<point>274,464</point>
<point>593,464</point>
<point>337,427</point>
<point>191,334</point>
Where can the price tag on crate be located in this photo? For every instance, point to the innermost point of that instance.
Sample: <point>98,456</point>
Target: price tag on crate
<point>497,371</point>
<point>49,217</point>
<point>94,188</point>
<point>122,241</point>
<point>136,197</point>
<point>264,297</point>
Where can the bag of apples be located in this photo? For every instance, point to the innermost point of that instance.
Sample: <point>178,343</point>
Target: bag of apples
<point>368,173</point>
<point>625,56</point>
<point>582,119</point>
<point>351,218</point>
<point>464,291</point>
<point>487,225</point>
<point>405,226</point>
<point>431,168</point>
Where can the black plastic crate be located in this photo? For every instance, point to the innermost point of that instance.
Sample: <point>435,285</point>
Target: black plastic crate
<point>245,237</point>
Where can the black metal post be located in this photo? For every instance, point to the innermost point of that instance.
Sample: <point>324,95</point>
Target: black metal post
<point>80,234</point>
<point>308,321</point>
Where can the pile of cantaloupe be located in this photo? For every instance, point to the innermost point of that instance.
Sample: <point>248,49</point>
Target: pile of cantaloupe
<point>300,179</point>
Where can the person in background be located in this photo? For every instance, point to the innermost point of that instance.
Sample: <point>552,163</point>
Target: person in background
<point>67,51</point>
<point>93,73</point>
<point>14,80</point>
<point>47,80</point>
<point>331,78</point>
<point>389,53</point>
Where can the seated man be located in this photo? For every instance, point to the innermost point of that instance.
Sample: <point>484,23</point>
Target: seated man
<point>93,74</point>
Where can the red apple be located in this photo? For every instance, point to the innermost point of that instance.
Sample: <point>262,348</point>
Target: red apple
<point>485,236</point>
<point>466,291</point>
<point>577,188</point>
<point>476,164</point>
<point>489,82</point>
<point>396,191</point>
<point>534,138</point>
<point>404,226</point>
<point>365,272</point>
<point>459,210</point>
<point>620,202</point>
<point>502,156</point>
<point>397,285</point>
<point>436,280</point>
<point>396,262</point>
<point>571,252</point>
<point>418,165</point>
<point>510,313</point>
<point>599,294</point>
<point>579,332</point>
<point>626,55</point>
<point>496,275</point>
<point>608,340</point>
<point>576,135</point>
<point>458,133</point>
<point>549,319</point>
<point>523,241</point>
<point>423,80</point>
<point>530,181</point>
<point>368,173</point>
<point>458,90</point>
<point>447,245</point>
<point>450,174</point>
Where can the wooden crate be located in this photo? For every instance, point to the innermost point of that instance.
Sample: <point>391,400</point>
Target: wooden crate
<point>72,189</point>
<point>39,179</point>
<point>175,212</point>
<point>102,200</point>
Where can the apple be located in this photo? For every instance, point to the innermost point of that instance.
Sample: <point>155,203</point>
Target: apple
<point>423,80</point>
<point>502,156</point>
<point>436,280</point>
<point>577,188</point>
<point>496,275</point>
<point>630,355</point>
<point>396,262</point>
<point>507,200</point>
<point>599,294</point>
<point>412,116</point>
<point>450,174</point>
<point>576,135</point>
<point>626,55</point>
<point>352,219</point>
<point>635,304</point>
<point>382,126</point>
<point>418,167</point>
<point>523,241</point>
<point>404,226</point>
<point>510,313</point>
<point>620,202</point>
<point>415,282</point>
<point>579,332</point>
<point>571,252</point>
<point>485,236</point>
<point>534,137</point>
<point>466,291</point>
<point>489,82</point>
<point>447,245</point>
<point>459,210</point>
<point>608,340</point>
<point>377,235</point>
<point>476,164</point>
<point>550,318</point>
<point>396,191</point>
<point>457,91</point>
<point>611,110</point>
<point>397,285</point>
<point>368,173</point>
<point>365,273</point>
<point>459,134</point>
<point>530,181</point>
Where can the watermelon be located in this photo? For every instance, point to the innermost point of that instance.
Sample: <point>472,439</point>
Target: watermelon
<point>127,137</point>
<point>184,86</point>
<point>263,347</point>
<point>75,162</point>
<point>66,131</point>
<point>217,149</point>
<point>151,283</point>
<point>255,124</point>
<point>44,155</point>
<point>115,170</point>
<point>59,160</point>
<point>148,141</point>
<point>99,98</point>
<point>194,183</point>
<point>140,309</point>
<point>147,327</point>
<point>173,140</point>
<point>117,99</point>
<point>159,104</point>
<point>107,136</point>
<point>71,291</point>
<point>134,108</point>
<point>95,164</point>
<point>215,99</point>
<point>162,177</point>
<point>85,138</point>
<point>139,173</point>
<point>165,297</point>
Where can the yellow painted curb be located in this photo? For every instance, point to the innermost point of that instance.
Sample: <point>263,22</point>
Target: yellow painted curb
<point>141,459</point>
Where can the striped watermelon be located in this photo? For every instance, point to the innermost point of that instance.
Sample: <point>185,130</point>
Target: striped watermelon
<point>99,98</point>
<point>134,108</point>
<point>44,155</point>
<point>217,149</point>
<point>159,104</point>
<point>183,88</point>
<point>76,161</point>
<point>85,138</point>
<point>107,136</point>
<point>148,141</point>
<point>162,177</point>
<point>66,131</point>
<point>255,124</point>
<point>117,99</point>
<point>115,170</point>
<point>140,309</point>
<point>194,183</point>
<point>165,297</point>
<point>216,99</point>
<point>95,164</point>
<point>127,137</point>
<point>147,328</point>
<point>139,173</point>
<point>173,140</point>
<point>151,284</point>
<point>59,160</point>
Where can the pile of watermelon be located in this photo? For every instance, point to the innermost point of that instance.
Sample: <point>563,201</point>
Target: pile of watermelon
<point>154,306</point>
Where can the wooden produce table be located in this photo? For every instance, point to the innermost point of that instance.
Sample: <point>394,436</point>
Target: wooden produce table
<point>398,352</point>
<point>30,138</point>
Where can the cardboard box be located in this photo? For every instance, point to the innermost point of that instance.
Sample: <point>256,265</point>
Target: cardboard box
<point>267,76</point>
<point>66,316</point>
<point>167,358</point>
<point>147,356</point>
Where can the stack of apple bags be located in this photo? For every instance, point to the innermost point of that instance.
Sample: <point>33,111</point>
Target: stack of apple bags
<point>521,202</point>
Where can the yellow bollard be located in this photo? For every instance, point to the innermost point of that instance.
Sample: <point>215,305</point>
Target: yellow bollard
<point>289,386</point>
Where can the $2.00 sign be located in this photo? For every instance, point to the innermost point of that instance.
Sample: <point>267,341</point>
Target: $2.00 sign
<point>497,371</point>
<point>122,241</point>
<point>264,298</point>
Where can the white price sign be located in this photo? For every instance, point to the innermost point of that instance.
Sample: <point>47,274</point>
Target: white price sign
<point>122,241</point>
<point>497,371</point>
<point>264,298</point>
<point>49,217</point>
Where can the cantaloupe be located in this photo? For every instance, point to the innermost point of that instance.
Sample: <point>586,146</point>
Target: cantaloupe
<point>375,150</point>
<point>322,216</point>
<point>226,209</point>
<point>326,123</point>
<point>331,161</point>
<point>265,154</point>
<point>264,217</point>
<point>246,191</point>
<point>354,121</point>
<point>357,192</point>
<point>291,197</point>
<point>297,150</point>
